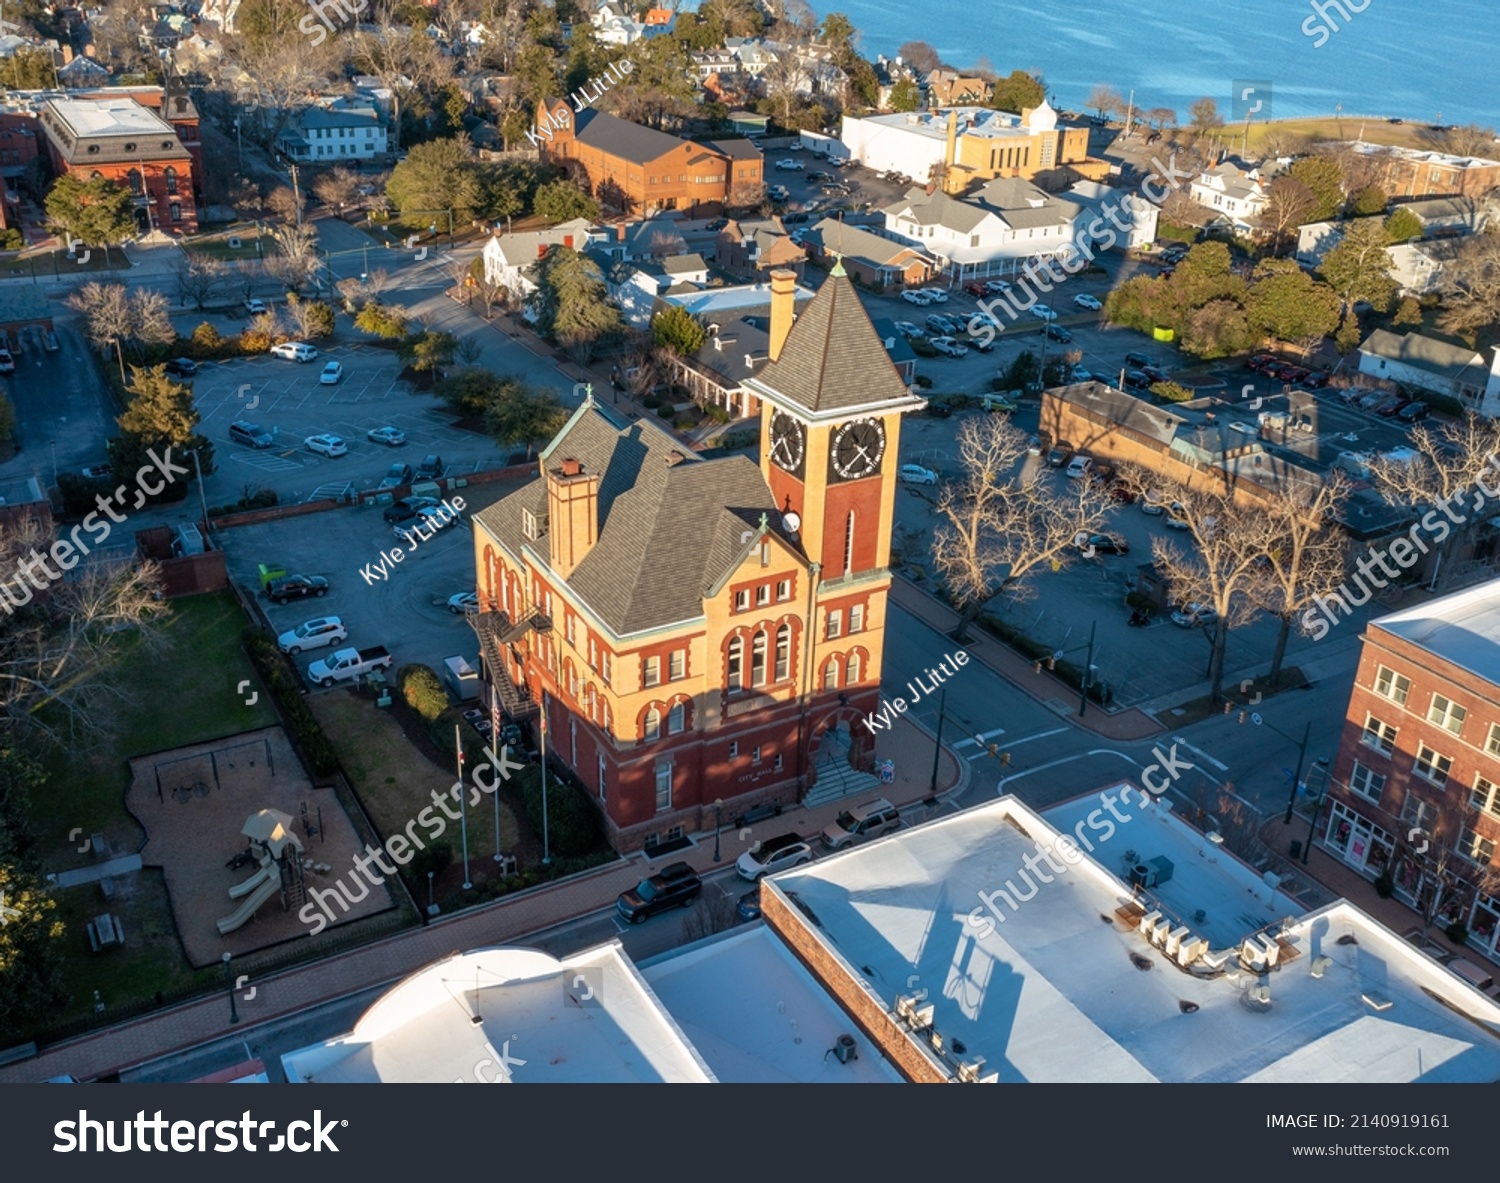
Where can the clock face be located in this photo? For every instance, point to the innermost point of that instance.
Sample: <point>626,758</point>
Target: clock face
<point>788,442</point>
<point>857,449</point>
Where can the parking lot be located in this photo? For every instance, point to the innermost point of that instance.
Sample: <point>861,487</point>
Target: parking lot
<point>407,611</point>
<point>287,399</point>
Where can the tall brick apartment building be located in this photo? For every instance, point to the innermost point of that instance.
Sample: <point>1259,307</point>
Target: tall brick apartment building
<point>642,171</point>
<point>1419,760</point>
<point>701,630</point>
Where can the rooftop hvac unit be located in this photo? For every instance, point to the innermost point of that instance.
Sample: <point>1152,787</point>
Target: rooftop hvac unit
<point>1151,873</point>
<point>922,1019</point>
<point>845,1050</point>
<point>969,1070</point>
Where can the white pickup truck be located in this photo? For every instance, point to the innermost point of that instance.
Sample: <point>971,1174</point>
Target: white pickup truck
<point>346,664</point>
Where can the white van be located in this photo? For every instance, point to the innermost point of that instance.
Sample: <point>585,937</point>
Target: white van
<point>1079,466</point>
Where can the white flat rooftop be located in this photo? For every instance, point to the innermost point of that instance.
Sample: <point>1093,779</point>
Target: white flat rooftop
<point>972,121</point>
<point>1462,629</point>
<point>748,295</point>
<point>1234,898</point>
<point>111,117</point>
<point>757,1016</point>
<point>589,1018</point>
<point>1060,990</point>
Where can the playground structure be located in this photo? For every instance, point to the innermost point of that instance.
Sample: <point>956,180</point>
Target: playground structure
<point>278,852</point>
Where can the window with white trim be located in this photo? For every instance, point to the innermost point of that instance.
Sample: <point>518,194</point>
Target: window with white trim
<point>831,674</point>
<point>783,653</point>
<point>734,748</point>
<point>1431,766</point>
<point>664,786</point>
<point>1378,735</point>
<point>651,672</point>
<point>784,589</point>
<point>1476,848</point>
<point>1492,745</point>
<point>1447,714</point>
<point>572,628</point>
<point>593,652</point>
<point>1389,684</point>
<point>849,542</point>
<point>676,665</point>
<point>758,660</point>
<point>1366,782</point>
<point>605,669</point>
<point>763,594</point>
<point>835,623</point>
<point>854,670</point>
<point>603,780</point>
<point>742,600</point>
<point>736,663</point>
<point>653,724</point>
<point>755,754</point>
<point>856,618</point>
<point>1484,798</point>
<point>676,718</point>
<point>776,763</point>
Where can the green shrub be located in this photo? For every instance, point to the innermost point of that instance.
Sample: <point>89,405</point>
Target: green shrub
<point>381,321</point>
<point>254,342</point>
<point>79,493</point>
<point>572,821</point>
<point>423,690</point>
<point>923,381</point>
<point>718,414</point>
<point>684,422</point>
<point>733,440</point>
<point>1458,932</point>
<point>1172,392</point>
<point>207,340</point>
<point>1385,885</point>
<point>665,411</point>
<point>651,402</point>
<point>11,239</point>
<point>286,689</point>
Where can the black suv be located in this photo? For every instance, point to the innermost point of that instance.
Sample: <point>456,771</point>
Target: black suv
<point>406,509</point>
<point>431,468</point>
<point>675,886</point>
<point>296,587</point>
<point>182,367</point>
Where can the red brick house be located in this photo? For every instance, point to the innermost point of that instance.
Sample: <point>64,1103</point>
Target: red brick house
<point>630,167</point>
<point>1414,791</point>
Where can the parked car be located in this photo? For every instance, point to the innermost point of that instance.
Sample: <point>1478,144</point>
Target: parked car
<point>820,176</point>
<point>1139,360</point>
<point>998,402</point>
<point>1057,333</point>
<point>675,886</point>
<point>1315,380</point>
<point>778,193</point>
<point>7,362</point>
<point>949,347</point>
<point>1102,544</point>
<point>1061,453</point>
<point>296,587</point>
<point>983,344</point>
<point>772,855</point>
<point>242,431</point>
<point>996,287</point>
<point>1371,400</point>
<point>936,295</point>
<point>406,509</point>
<point>462,602</point>
<point>1079,374</point>
<point>1257,362</point>
<point>1042,312</point>
<point>317,633</point>
<point>1391,405</point>
<point>298,351</point>
<point>1414,411</point>
<point>326,445</point>
<point>347,664</point>
<point>790,165</point>
<point>254,306</point>
<point>396,476</point>
<point>975,288</point>
<point>332,375</point>
<point>1177,517</point>
<point>1136,380</point>
<point>915,474</point>
<point>1194,616</point>
<point>916,296</point>
<point>98,472</point>
<point>1154,374</point>
<point>748,907</point>
<point>1151,506</point>
<point>906,329</point>
<point>182,367</point>
<point>1087,301</point>
<point>942,325</point>
<point>872,819</point>
<point>939,410</point>
<point>391,437</point>
<point>431,468</point>
<point>1078,467</point>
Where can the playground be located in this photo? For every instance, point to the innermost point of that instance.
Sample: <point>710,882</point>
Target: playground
<point>242,838</point>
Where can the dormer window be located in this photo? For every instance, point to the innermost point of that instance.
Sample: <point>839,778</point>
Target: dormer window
<point>533,525</point>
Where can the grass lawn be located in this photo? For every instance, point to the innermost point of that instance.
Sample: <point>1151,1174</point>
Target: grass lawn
<point>395,781</point>
<point>180,694</point>
<point>217,246</point>
<point>1375,131</point>
<point>49,265</point>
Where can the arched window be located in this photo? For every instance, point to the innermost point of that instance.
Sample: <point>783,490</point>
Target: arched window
<point>170,175</point>
<point>849,542</point>
<point>137,186</point>
<point>653,724</point>
<point>736,663</point>
<point>676,718</point>
<point>854,669</point>
<point>831,674</point>
<point>604,721</point>
<point>758,660</point>
<point>783,653</point>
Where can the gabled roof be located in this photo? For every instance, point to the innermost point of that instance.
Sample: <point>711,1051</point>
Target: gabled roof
<point>683,264</point>
<point>670,524</point>
<point>1023,205</point>
<point>623,139</point>
<point>833,358</point>
<point>937,209</point>
<point>840,238</point>
<point>1425,353</point>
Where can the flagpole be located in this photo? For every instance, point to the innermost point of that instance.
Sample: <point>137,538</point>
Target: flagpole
<point>494,739</point>
<point>542,727</point>
<point>463,810</point>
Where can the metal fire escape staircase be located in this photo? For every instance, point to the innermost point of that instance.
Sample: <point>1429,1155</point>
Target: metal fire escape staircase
<point>496,630</point>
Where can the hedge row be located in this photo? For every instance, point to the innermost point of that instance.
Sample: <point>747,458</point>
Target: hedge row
<point>286,688</point>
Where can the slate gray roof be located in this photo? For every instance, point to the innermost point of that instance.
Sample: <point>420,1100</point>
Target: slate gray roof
<point>681,264</point>
<point>1023,206</point>
<point>937,209</point>
<point>840,238</point>
<point>737,339</point>
<point>1426,353</point>
<point>739,149</point>
<point>1125,411</point>
<point>668,531</point>
<point>833,357</point>
<point>621,138</point>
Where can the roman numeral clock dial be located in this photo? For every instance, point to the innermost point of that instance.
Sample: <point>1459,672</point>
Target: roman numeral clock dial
<point>788,441</point>
<point>857,449</point>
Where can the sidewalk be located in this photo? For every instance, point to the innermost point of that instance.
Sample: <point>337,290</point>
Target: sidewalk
<point>1125,725</point>
<point>504,921</point>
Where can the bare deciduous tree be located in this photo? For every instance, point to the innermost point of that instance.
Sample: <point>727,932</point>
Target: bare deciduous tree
<point>1289,204</point>
<point>200,276</point>
<point>1472,283</point>
<point>296,262</point>
<point>997,525</point>
<point>337,188</point>
<point>286,203</point>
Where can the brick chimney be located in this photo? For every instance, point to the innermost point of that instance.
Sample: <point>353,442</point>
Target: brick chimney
<point>783,302</point>
<point>572,515</point>
<point>952,148</point>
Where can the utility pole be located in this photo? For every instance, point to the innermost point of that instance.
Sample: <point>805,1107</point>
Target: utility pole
<point>202,501</point>
<point>297,193</point>
<point>1129,113</point>
<point>542,731</point>
<point>1088,673</point>
<point>463,811</point>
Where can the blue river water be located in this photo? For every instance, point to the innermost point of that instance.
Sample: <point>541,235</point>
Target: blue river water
<point>1416,59</point>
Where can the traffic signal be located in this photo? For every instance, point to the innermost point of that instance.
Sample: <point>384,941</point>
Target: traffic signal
<point>1051,663</point>
<point>993,749</point>
<point>1243,716</point>
<point>1228,706</point>
<point>1005,759</point>
<point>1036,666</point>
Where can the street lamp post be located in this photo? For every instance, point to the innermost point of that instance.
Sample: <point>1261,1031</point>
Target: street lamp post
<point>432,908</point>
<point>234,1014</point>
<point>937,746</point>
<point>1291,800</point>
<point>718,812</point>
<point>1312,823</point>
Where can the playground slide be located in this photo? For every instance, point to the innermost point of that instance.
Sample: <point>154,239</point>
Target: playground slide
<point>253,882</point>
<point>265,891</point>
